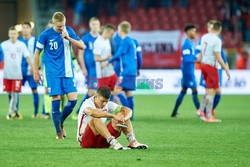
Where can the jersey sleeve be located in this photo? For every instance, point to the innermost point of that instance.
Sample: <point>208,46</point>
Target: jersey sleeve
<point>218,45</point>
<point>113,107</point>
<point>198,48</point>
<point>138,54</point>
<point>97,50</point>
<point>41,41</point>
<point>1,53</point>
<point>26,52</point>
<point>72,34</point>
<point>223,55</point>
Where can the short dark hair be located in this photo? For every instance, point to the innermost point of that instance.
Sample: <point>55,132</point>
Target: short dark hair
<point>217,26</point>
<point>188,27</point>
<point>109,27</point>
<point>12,28</point>
<point>26,23</point>
<point>104,91</point>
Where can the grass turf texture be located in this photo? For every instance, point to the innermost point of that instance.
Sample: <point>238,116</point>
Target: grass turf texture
<point>184,141</point>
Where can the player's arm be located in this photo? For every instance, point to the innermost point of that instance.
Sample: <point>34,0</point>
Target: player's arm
<point>139,59</point>
<point>98,58</point>
<point>221,62</point>
<point>30,63</point>
<point>81,62</point>
<point>36,74</point>
<point>101,114</point>
<point>77,43</point>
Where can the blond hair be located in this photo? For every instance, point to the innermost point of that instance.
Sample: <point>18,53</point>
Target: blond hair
<point>93,19</point>
<point>125,27</point>
<point>58,17</point>
<point>211,22</point>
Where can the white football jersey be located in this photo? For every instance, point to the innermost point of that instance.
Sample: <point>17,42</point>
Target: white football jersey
<point>13,53</point>
<point>102,47</point>
<point>210,43</point>
<point>83,118</point>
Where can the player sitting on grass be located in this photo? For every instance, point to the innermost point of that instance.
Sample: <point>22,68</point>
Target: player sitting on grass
<point>93,133</point>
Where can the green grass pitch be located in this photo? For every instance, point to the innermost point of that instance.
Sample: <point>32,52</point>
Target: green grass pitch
<point>185,141</point>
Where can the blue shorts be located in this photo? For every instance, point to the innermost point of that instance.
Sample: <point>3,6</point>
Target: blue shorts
<point>188,81</point>
<point>91,79</point>
<point>61,85</point>
<point>30,79</point>
<point>202,81</point>
<point>127,82</point>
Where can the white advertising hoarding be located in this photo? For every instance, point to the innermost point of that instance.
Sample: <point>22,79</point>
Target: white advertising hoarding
<point>165,82</point>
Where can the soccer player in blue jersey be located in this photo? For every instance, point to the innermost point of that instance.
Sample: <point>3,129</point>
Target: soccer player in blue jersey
<point>30,42</point>
<point>187,68</point>
<point>127,55</point>
<point>217,96</point>
<point>56,42</point>
<point>88,66</point>
<point>117,64</point>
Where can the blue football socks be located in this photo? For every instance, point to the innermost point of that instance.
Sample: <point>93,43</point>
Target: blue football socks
<point>68,108</point>
<point>56,115</point>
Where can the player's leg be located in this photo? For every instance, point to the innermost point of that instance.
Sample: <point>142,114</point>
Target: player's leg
<point>217,96</point>
<point>33,86</point>
<point>99,128</point>
<point>35,101</point>
<point>55,90</point>
<point>15,88</point>
<point>179,101</point>
<point>69,88</point>
<point>195,98</point>
<point>56,115</point>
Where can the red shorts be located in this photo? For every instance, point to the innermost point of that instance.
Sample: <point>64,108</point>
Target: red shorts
<point>210,75</point>
<point>108,81</point>
<point>89,140</point>
<point>12,85</point>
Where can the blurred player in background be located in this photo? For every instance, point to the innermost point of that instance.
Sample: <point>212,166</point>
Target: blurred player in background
<point>127,55</point>
<point>87,57</point>
<point>217,96</point>
<point>56,42</point>
<point>92,131</point>
<point>187,67</point>
<point>30,42</point>
<point>13,51</point>
<point>102,51</point>
<point>117,64</point>
<point>210,57</point>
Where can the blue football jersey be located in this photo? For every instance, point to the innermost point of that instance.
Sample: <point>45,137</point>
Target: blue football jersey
<point>127,55</point>
<point>117,43</point>
<point>57,52</point>
<point>88,56</point>
<point>188,57</point>
<point>31,45</point>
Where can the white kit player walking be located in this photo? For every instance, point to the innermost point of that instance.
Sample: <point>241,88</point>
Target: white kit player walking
<point>102,50</point>
<point>13,51</point>
<point>210,57</point>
